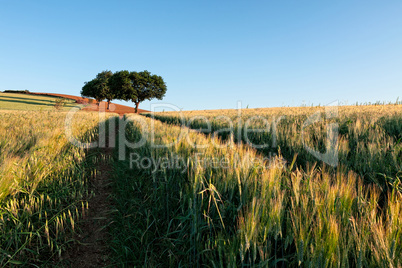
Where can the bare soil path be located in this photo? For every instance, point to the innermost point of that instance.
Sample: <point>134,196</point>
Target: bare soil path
<point>90,248</point>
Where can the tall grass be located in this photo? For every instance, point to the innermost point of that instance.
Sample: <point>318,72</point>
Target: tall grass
<point>239,214</point>
<point>369,140</point>
<point>44,183</point>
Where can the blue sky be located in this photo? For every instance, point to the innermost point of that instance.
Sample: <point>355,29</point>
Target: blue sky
<point>210,53</point>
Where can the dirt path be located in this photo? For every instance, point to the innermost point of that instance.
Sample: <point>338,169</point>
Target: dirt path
<point>91,249</point>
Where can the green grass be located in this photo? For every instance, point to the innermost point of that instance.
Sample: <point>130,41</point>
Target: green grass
<point>369,137</point>
<point>27,102</point>
<point>241,215</point>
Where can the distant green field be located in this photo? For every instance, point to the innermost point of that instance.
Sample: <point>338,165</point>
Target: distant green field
<point>15,101</point>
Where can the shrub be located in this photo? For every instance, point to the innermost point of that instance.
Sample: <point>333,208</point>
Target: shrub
<point>26,91</point>
<point>59,104</point>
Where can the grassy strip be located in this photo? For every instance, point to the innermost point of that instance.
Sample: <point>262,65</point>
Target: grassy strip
<point>26,102</point>
<point>241,214</point>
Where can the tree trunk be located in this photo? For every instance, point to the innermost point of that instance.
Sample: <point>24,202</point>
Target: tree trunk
<point>136,107</point>
<point>108,104</point>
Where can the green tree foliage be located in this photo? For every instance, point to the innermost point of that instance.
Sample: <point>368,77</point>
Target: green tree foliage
<point>145,86</point>
<point>103,86</point>
<point>120,84</point>
<point>99,89</point>
<point>125,85</point>
<point>88,90</point>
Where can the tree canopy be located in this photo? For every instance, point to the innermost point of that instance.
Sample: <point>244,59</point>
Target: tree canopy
<point>125,85</point>
<point>145,86</point>
<point>88,90</point>
<point>120,84</point>
<point>98,88</point>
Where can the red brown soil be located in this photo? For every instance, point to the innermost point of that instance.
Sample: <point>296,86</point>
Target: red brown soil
<point>114,108</point>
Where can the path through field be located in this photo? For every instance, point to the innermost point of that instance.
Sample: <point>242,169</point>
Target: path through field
<point>91,249</point>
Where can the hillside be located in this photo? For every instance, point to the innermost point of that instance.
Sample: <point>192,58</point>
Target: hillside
<point>47,101</point>
<point>16,101</point>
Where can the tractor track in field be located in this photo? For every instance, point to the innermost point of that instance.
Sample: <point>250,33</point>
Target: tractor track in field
<point>90,248</point>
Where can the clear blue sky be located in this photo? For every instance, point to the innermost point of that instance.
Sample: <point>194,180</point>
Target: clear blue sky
<point>210,53</point>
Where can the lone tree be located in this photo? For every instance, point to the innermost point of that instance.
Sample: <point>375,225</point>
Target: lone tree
<point>99,89</point>
<point>145,86</point>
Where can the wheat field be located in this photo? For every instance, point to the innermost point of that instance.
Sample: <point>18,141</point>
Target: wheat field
<point>44,182</point>
<point>300,213</point>
<point>198,189</point>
